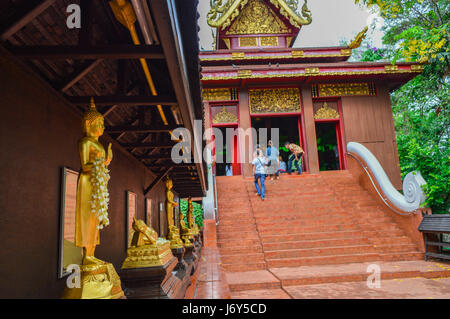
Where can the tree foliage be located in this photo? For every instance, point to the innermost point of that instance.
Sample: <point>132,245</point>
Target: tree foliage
<point>418,30</point>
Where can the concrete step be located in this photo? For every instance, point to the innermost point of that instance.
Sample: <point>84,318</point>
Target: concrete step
<point>320,251</point>
<point>327,235</point>
<point>309,275</point>
<point>315,243</point>
<point>242,258</point>
<point>250,249</point>
<point>244,267</point>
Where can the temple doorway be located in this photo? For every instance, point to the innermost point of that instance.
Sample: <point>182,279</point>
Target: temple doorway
<point>226,155</point>
<point>327,134</point>
<point>289,130</point>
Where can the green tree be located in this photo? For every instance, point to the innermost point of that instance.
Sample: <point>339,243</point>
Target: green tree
<point>418,30</point>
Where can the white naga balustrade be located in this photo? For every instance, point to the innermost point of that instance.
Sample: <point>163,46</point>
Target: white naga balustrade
<point>413,195</point>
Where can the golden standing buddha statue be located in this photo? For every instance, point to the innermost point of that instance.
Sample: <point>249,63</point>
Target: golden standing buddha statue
<point>190,214</point>
<point>87,223</point>
<point>99,280</point>
<point>174,232</point>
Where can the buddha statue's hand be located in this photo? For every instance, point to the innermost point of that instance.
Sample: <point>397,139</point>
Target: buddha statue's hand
<point>109,155</point>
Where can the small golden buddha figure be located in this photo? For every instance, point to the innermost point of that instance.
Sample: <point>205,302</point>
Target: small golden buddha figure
<point>186,233</point>
<point>147,250</point>
<point>173,231</point>
<point>190,215</point>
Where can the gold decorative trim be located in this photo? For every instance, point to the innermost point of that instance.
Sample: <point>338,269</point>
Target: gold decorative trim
<point>289,41</point>
<point>244,73</point>
<point>417,67</point>
<point>325,113</point>
<point>312,70</point>
<point>257,18</point>
<point>297,54</point>
<point>343,89</point>
<point>346,51</point>
<point>216,95</point>
<point>237,55</point>
<point>248,42</point>
<point>391,68</point>
<point>269,41</point>
<point>224,117</point>
<point>222,14</point>
<point>278,100</point>
<point>289,75</point>
<point>356,43</point>
<point>227,43</point>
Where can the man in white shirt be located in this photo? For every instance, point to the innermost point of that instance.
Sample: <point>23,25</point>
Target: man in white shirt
<point>259,171</point>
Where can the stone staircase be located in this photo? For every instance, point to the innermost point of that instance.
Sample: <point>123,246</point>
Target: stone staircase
<point>305,221</point>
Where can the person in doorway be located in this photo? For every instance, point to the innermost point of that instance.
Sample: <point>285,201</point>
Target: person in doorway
<point>296,155</point>
<point>259,171</point>
<point>281,166</point>
<point>228,170</point>
<point>272,155</point>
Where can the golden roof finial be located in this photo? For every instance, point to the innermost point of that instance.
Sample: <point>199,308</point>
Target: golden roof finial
<point>358,39</point>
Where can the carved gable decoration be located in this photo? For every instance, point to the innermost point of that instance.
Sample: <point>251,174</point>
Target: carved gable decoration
<point>282,100</point>
<point>257,18</point>
<point>224,117</point>
<point>326,112</point>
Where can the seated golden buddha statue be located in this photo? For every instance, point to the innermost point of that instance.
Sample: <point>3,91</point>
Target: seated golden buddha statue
<point>147,250</point>
<point>99,280</point>
<point>173,231</point>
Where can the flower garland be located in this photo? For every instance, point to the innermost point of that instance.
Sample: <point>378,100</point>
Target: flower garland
<point>100,196</point>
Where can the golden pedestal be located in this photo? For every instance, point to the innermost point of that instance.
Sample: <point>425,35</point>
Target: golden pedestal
<point>98,281</point>
<point>157,254</point>
<point>174,237</point>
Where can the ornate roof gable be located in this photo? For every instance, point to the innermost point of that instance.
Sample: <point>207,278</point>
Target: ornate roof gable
<point>224,12</point>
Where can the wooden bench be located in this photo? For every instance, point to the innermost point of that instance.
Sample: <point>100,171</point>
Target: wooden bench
<point>435,224</point>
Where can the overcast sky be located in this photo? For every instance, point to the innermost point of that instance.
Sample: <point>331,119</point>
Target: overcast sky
<point>333,21</point>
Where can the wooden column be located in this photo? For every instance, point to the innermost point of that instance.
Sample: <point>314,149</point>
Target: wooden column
<point>245,124</point>
<point>310,130</point>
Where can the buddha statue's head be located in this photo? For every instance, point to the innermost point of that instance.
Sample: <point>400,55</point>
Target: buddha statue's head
<point>93,122</point>
<point>139,225</point>
<point>169,183</point>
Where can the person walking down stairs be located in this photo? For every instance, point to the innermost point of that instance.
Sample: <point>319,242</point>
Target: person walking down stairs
<point>259,171</point>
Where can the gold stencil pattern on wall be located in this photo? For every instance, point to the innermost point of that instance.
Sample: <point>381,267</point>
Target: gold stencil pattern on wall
<point>257,18</point>
<point>281,100</point>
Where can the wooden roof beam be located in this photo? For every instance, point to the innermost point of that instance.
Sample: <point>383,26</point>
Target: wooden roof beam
<point>64,52</point>
<point>25,19</point>
<point>79,74</point>
<point>126,100</point>
<point>138,129</point>
<point>157,180</point>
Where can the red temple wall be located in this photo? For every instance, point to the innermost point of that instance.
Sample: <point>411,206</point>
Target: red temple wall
<point>38,135</point>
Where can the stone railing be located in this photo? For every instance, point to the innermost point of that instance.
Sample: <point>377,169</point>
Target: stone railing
<point>403,204</point>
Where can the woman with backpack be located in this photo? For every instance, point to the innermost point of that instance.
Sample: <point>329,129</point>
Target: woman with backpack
<point>259,171</point>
